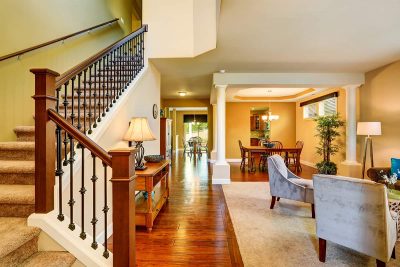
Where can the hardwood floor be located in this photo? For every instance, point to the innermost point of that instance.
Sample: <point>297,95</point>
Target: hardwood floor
<point>194,228</point>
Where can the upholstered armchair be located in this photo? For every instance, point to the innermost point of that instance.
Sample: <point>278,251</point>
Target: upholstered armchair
<point>284,184</point>
<point>354,213</point>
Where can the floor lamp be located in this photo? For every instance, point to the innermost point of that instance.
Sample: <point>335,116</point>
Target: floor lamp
<point>368,129</point>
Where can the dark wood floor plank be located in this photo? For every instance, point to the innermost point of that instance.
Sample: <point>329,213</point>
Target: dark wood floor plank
<point>194,228</point>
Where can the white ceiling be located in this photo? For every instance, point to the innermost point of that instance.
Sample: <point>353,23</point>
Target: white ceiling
<point>291,36</point>
<point>269,92</point>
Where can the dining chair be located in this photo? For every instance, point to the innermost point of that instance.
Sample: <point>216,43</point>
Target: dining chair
<point>295,156</point>
<point>244,155</point>
<point>262,165</point>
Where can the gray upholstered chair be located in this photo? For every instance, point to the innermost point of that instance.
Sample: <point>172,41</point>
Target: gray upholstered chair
<point>354,213</point>
<point>283,183</point>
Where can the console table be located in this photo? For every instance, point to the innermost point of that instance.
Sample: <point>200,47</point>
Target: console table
<point>153,179</point>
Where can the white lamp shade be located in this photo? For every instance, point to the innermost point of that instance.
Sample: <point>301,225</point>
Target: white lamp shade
<point>369,128</point>
<point>139,131</point>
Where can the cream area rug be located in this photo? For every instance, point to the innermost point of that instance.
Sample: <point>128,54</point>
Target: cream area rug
<point>284,236</point>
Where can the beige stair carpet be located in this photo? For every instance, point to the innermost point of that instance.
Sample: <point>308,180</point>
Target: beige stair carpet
<point>284,236</point>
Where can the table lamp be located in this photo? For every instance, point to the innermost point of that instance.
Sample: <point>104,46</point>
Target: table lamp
<point>368,129</point>
<point>138,132</point>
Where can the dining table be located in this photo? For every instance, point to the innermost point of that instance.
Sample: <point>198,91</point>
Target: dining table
<point>270,150</point>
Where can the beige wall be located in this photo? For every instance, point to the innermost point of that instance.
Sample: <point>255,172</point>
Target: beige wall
<point>305,130</point>
<point>238,125</point>
<point>182,102</point>
<point>27,23</point>
<point>379,101</point>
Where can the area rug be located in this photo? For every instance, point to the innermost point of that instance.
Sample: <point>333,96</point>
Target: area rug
<point>284,236</point>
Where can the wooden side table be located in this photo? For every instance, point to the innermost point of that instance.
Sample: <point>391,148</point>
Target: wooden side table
<point>153,179</point>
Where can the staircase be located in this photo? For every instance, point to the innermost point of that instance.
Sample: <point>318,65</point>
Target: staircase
<point>19,242</point>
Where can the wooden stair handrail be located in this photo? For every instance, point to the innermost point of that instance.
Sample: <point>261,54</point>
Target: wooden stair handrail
<point>24,51</point>
<point>80,137</point>
<point>69,74</point>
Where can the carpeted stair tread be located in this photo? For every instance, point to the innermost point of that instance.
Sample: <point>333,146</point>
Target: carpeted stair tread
<point>17,166</point>
<point>14,233</point>
<point>17,150</point>
<point>25,133</point>
<point>17,194</point>
<point>49,259</point>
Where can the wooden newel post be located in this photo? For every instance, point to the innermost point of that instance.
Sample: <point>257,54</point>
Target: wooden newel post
<point>44,140</point>
<point>123,190</point>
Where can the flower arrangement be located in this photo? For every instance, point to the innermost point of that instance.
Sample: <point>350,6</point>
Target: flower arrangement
<point>390,180</point>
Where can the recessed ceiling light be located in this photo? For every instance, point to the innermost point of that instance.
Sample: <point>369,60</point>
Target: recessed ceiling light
<point>221,71</point>
<point>182,93</point>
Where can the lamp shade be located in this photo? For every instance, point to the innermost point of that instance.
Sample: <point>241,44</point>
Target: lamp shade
<point>139,131</point>
<point>369,128</point>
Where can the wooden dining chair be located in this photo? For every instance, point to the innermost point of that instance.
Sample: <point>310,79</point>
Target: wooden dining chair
<point>295,156</point>
<point>262,165</point>
<point>244,155</point>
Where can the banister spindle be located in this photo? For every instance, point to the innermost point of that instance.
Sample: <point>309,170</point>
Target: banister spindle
<point>72,116</point>
<point>104,88</point>
<point>95,96</point>
<point>79,93</point>
<point>59,170</point>
<point>84,100</point>
<point>71,201</point>
<point>65,141</point>
<point>115,72</point>
<point>90,115</point>
<point>98,89</point>
<point>106,73</point>
<point>105,210</point>
<point>82,191</point>
<point>94,219</point>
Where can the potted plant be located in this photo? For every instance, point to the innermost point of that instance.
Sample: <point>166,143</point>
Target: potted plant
<point>328,131</point>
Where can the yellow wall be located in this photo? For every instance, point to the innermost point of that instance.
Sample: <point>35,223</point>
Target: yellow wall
<point>305,130</point>
<point>379,101</point>
<point>181,102</point>
<point>238,125</point>
<point>27,23</point>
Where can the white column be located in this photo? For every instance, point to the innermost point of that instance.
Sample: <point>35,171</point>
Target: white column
<point>351,125</point>
<point>221,169</point>
<point>215,131</point>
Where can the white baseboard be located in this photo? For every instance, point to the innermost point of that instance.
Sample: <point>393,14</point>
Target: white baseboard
<point>234,160</point>
<point>70,240</point>
<point>221,181</point>
<point>307,163</point>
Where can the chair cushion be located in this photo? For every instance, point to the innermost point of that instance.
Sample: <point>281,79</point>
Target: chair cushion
<point>303,182</point>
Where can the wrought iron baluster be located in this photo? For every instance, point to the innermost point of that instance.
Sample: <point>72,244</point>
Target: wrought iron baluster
<point>106,73</point>
<point>90,99</point>
<point>79,92</point>
<point>82,191</point>
<point>65,141</point>
<point>72,116</point>
<point>105,210</point>
<point>104,87</point>
<point>71,201</point>
<point>98,89</point>
<point>59,170</point>
<point>119,72</point>
<point>84,100</point>
<point>94,96</point>
<point>94,219</point>
<point>142,50</point>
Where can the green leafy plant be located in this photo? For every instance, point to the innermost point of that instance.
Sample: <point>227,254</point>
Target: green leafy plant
<point>328,131</point>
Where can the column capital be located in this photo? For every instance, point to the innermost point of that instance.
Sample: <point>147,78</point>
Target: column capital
<point>351,86</point>
<point>221,86</point>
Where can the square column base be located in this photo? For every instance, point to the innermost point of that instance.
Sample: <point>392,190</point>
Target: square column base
<point>213,156</point>
<point>350,169</point>
<point>221,173</point>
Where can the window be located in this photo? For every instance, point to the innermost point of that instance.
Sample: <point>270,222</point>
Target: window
<point>327,107</point>
<point>310,111</point>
